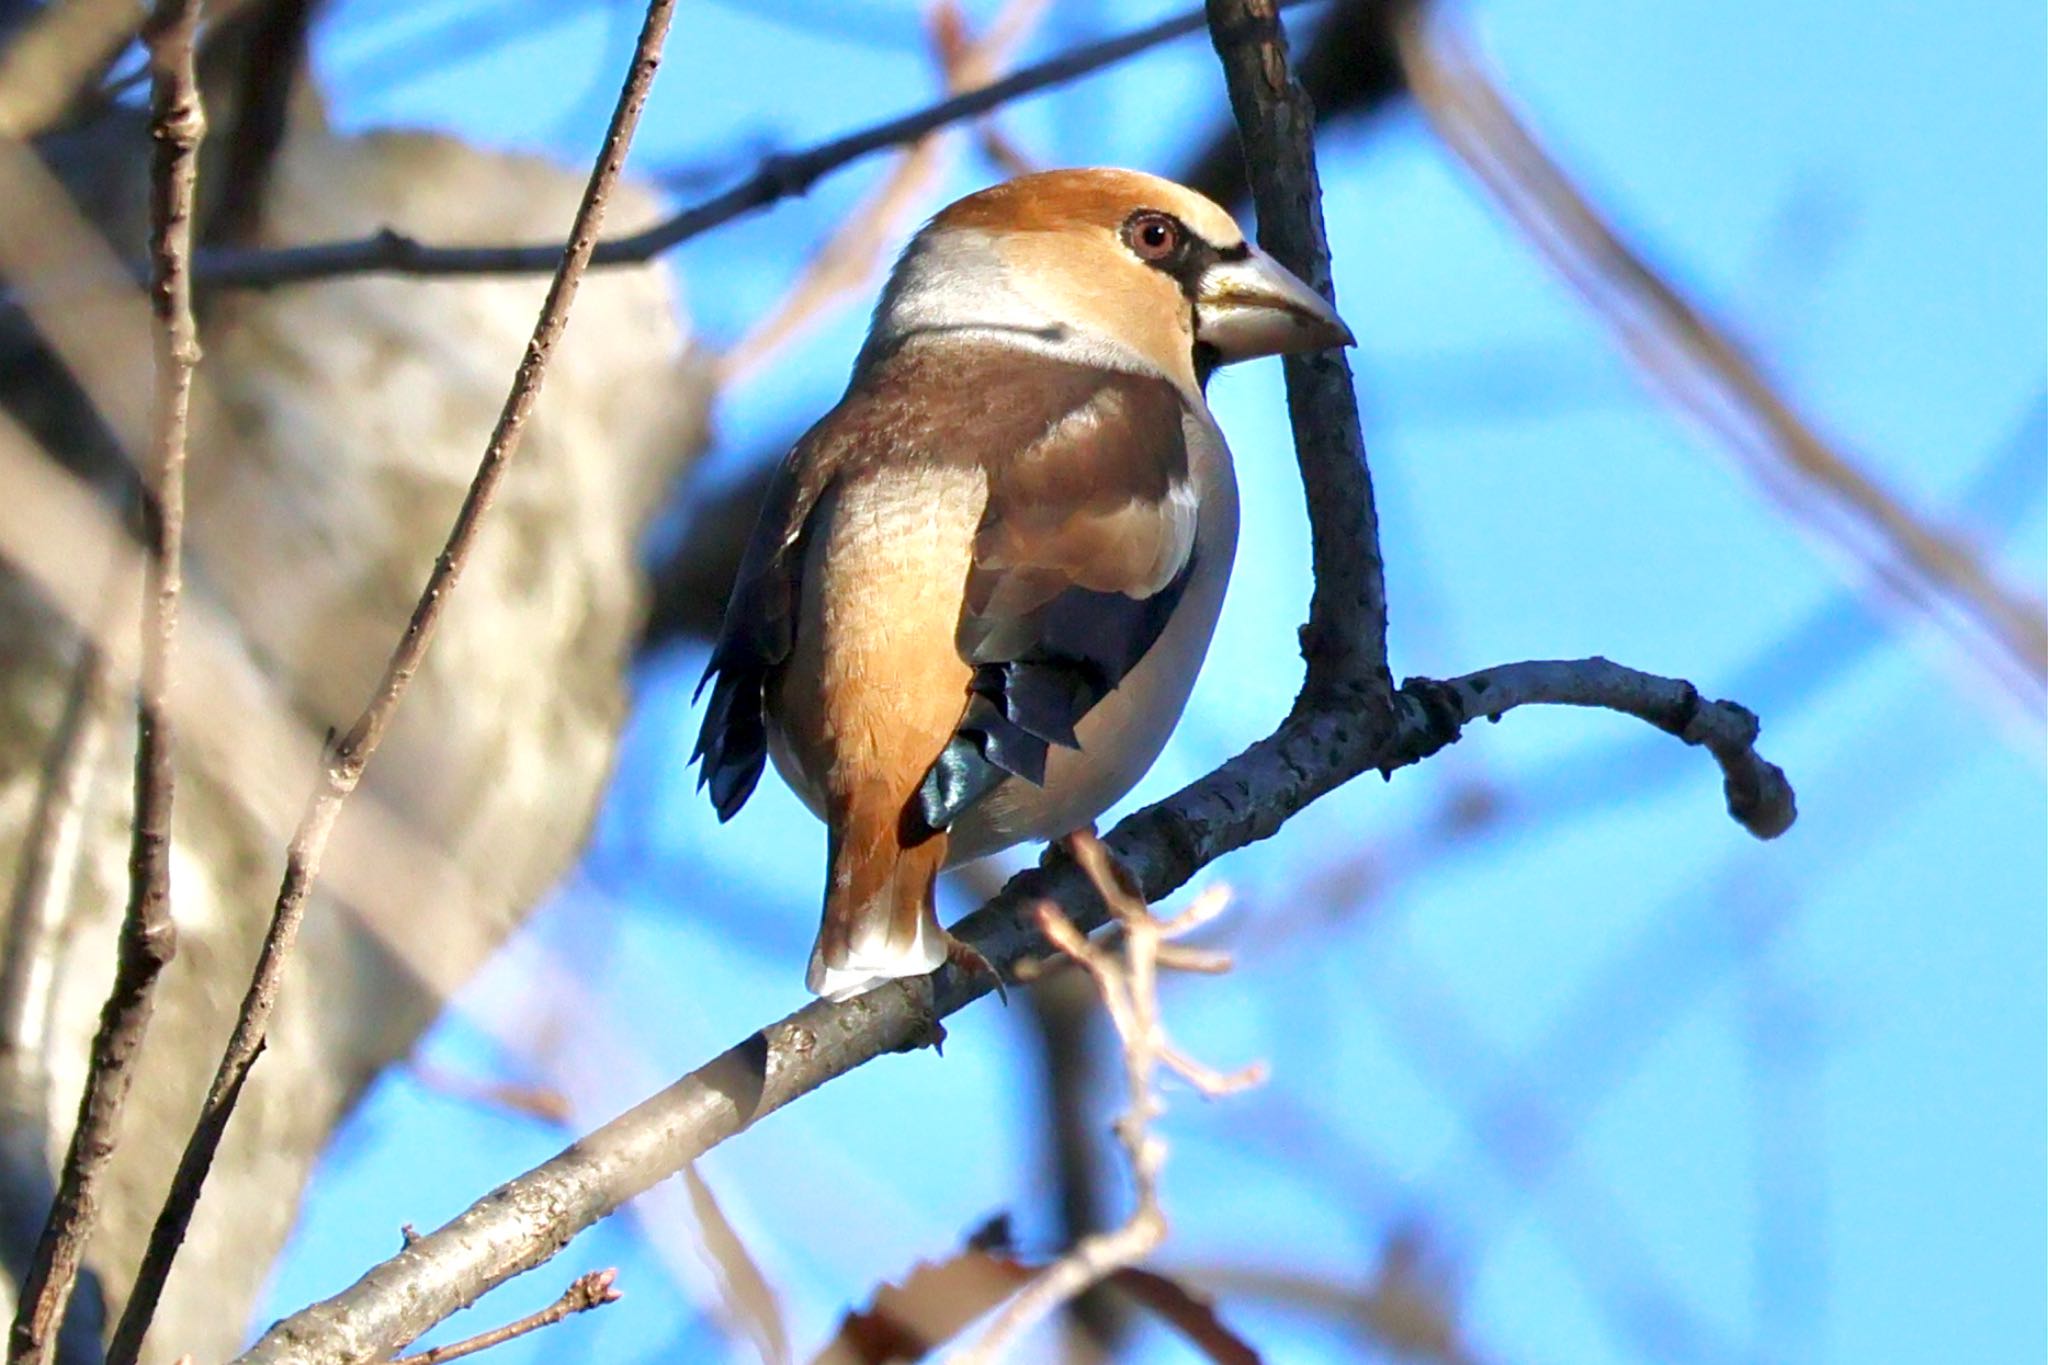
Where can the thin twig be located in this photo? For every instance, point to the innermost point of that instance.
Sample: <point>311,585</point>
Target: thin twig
<point>777,178</point>
<point>1759,797</point>
<point>845,262</point>
<point>351,752</point>
<point>148,934</point>
<point>1127,981</point>
<point>1346,722</point>
<point>1704,369</point>
<point>586,1292</point>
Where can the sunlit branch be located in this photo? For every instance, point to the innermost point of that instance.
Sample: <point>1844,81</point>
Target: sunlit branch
<point>350,753</point>
<point>777,178</point>
<point>148,935</point>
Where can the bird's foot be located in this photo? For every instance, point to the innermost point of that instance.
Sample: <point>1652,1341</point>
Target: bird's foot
<point>970,961</point>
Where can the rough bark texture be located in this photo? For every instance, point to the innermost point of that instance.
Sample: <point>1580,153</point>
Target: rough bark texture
<point>339,426</point>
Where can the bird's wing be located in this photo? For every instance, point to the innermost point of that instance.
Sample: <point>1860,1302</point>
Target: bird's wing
<point>758,631</point>
<point>1083,548</point>
<point>1086,544</point>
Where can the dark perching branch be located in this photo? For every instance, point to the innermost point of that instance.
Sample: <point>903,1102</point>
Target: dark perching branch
<point>525,1221</point>
<point>1348,720</point>
<point>1351,68</point>
<point>148,935</point>
<point>350,753</point>
<point>1433,714</point>
<point>1345,641</point>
<point>777,178</point>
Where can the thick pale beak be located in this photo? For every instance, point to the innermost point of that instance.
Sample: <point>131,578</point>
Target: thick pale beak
<point>1254,306</point>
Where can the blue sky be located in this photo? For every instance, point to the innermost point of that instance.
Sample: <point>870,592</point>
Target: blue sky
<point>1656,1092</point>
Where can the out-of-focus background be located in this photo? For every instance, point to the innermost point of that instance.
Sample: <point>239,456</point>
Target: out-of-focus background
<point>1564,1066</point>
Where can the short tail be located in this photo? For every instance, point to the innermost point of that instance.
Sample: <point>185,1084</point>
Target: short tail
<point>880,919</point>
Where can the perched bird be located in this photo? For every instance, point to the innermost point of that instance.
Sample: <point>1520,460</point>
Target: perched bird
<point>982,585</point>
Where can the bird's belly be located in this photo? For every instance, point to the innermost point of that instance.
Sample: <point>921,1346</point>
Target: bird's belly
<point>1120,736</point>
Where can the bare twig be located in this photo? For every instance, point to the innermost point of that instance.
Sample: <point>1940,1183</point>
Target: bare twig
<point>1700,366</point>
<point>778,178</point>
<point>350,753</point>
<point>1759,797</point>
<point>1128,981</point>
<point>1347,721</point>
<point>850,257</point>
<point>148,935</point>
<point>586,1292</point>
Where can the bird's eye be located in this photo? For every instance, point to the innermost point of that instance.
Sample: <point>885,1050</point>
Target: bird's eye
<point>1154,236</point>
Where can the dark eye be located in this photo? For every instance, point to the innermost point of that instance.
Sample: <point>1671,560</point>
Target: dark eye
<point>1154,236</point>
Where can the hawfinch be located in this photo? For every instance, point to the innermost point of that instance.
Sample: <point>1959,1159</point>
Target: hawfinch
<point>980,588</point>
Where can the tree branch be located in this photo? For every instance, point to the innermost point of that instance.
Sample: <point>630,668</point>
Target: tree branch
<point>1349,68</point>
<point>584,1293</point>
<point>1346,721</point>
<point>148,936</point>
<point>350,754</point>
<point>1128,981</point>
<point>1760,799</point>
<point>524,1222</point>
<point>777,178</point>
<point>1345,641</point>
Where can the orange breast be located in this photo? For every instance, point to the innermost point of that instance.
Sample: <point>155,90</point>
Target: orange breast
<point>875,685</point>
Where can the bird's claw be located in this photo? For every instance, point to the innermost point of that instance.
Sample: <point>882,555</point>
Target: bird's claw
<point>970,961</point>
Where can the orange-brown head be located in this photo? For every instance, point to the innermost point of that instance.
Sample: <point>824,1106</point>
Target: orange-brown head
<point>1111,266</point>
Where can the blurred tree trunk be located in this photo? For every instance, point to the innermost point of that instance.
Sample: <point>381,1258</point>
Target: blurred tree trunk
<point>339,427</point>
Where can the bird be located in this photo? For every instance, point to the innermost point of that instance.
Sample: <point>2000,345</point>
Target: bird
<point>981,586</point>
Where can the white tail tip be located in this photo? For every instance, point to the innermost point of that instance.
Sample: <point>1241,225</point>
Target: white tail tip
<point>871,961</point>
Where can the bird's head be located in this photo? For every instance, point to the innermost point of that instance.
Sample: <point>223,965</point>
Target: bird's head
<point>1108,266</point>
